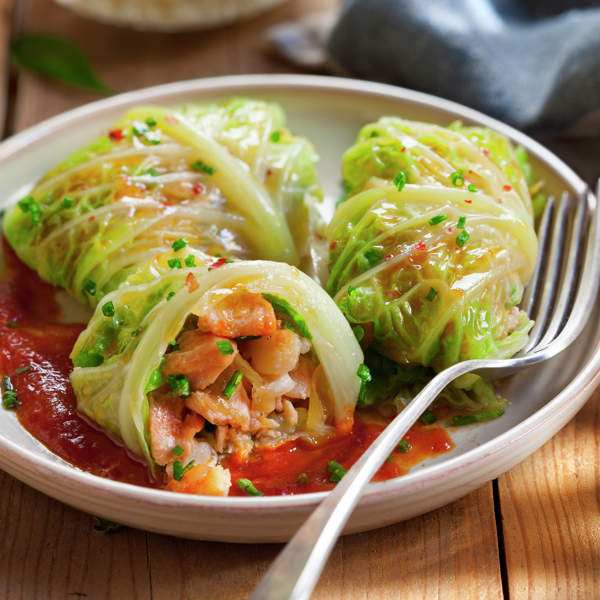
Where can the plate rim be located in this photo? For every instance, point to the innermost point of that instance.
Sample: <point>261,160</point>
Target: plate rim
<point>14,459</point>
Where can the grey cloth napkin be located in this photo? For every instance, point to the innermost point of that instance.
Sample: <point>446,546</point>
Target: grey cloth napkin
<point>531,63</point>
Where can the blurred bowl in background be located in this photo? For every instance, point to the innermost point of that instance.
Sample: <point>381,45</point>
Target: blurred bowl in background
<point>169,15</point>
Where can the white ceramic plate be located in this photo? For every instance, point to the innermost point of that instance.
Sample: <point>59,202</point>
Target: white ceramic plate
<point>329,111</point>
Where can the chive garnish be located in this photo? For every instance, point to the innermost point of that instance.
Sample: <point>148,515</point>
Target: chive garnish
<point>180,385</point>
<point>403,446</point>
<point>336,471</point>
<point>29,205</point>
<point>12,324</point>
<point>9,394</point>
<point>461,222</point>
<point>23,369</point>
<point>152,171</point>
<point>225,347</point>
<point>174,263</point>
<point>170,295</point>
<point>457,178</point>
<point>178,450</point>
<point>247,486</point>
<point>472,188</point>
<point>428,417</point>
<point>151,122</point>
<point>364,374</point>
<point>66,202</point>
<point>275,136</point>
<point>461,238</point>
<point>232,384</point>
<point>89,287</point>
<point>437,219</point>
<point>179,244</point>
<point>190,260</point>
<point>431,294</point>
<point>285,308</point>
<point>302,478</point>
<point>199,165</point>
<point>400,181</point>
<point>108,309</point>
<point>179,470</point>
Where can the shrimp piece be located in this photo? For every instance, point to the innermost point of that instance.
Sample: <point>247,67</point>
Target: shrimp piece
<point>275,354</point>
<point>238,314</point>
<point>165,424</point>
<point>219,410</point>
<point>203,479</point>
<point>199,358</point>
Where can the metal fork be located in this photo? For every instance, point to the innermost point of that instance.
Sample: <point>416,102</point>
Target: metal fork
<point>559,297</point>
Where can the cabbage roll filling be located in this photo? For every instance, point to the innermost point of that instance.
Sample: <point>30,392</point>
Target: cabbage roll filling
<point>239,375</point>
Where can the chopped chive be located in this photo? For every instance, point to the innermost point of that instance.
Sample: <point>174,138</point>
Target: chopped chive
<point>174,263</point>
<point>108,309</point>
<point>351,290</point>
<point>89,287</point>
<point>179,244</point>
<point>88,358</point>
<point>9,394</point>
<point>275,136</point>
<point>374,134</point>
<point>336,471</point>
<point>228,261</point>
<point>372,257</point>
<point>359,332</point>
<point>23,369</point>
<point>199,165</point>
<point>285,308</point>
<point>152,171</point>
<point>457,178</point>
<point>437,219</point>
<point>173,345</point>
<point>486,415</point>
<point>179,470</point>
<point>136,332</point>
<point>428,417</point>
<point>178,450</point>
<point>400,181</point>
<point>232,384</point>
<point>472,188</point>
<point>13,324</point>
<point>151,122</point>
<point>403,446</point>
<point>29,205</point>
<point>247,486</point>
<point>364,374</point>
<point>225,347</point>
<point>462,238</point>
<point>67,202</point>
<point>461,222</point>
<point>390,458</point>
<point>302,478</point>
<point>152,137</point>
<point>139,128</point>
<point>190,260</point>
<point>180,385</point>
<point>170,295</point>
<point>431,294</point>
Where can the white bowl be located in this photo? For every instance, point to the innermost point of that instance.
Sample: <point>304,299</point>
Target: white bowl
<point>329,111</point>
<point>169,15</point>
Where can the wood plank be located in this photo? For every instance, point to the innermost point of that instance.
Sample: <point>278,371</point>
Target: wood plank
<point>6,18</point>
<point>551,514</point>
<point>449,554</point>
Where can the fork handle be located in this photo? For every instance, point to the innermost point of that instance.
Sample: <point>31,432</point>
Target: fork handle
<point>295,572</point>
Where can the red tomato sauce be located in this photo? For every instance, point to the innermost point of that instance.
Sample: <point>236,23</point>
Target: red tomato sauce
<point>32,335</point>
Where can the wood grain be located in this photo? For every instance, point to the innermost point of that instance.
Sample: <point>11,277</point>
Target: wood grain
<point>551,514</point>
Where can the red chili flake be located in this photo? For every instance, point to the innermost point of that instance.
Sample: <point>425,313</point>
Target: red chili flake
<point>191,283</point>
<point>319,236</point>
<point>90,219</point>
<point>448,229</point>
<point>393,294</point>
<point>486,152</point>
<point>116,135</point>
<point>269,172</point>
<point>171,120</point>
<point>85,186</point>
<point>468,201</point>
<point>199,188</point>
<point>333,245</point>
<point>388,257</point>
<point>403,149</point>
<point>499,201</point>
<point>420,247</point>
<point>165,203</point>
<point>507,188</point>
<point>218,263</point>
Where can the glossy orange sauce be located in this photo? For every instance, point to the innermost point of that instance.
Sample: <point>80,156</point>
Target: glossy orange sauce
<point>31,334</point>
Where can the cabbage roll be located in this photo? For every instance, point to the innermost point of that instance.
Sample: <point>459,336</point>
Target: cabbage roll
<point>199,364</point>
<point>433,245</point>
<point>228,179</point>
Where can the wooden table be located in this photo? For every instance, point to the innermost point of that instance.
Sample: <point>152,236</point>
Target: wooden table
<point>533,533</point>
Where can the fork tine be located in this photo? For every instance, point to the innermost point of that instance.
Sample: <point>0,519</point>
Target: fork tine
<point>543,308</point>
<point>532,291</point>
<point>570,272</point>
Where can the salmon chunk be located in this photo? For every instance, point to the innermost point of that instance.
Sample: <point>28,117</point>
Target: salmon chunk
<point>165,425</point>
<point>239,314</point>
<point>200,358</point>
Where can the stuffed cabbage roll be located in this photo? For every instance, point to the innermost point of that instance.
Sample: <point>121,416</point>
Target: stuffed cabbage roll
<point>200,364</point>
<point>229,179</point>
<point>432,248</point>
